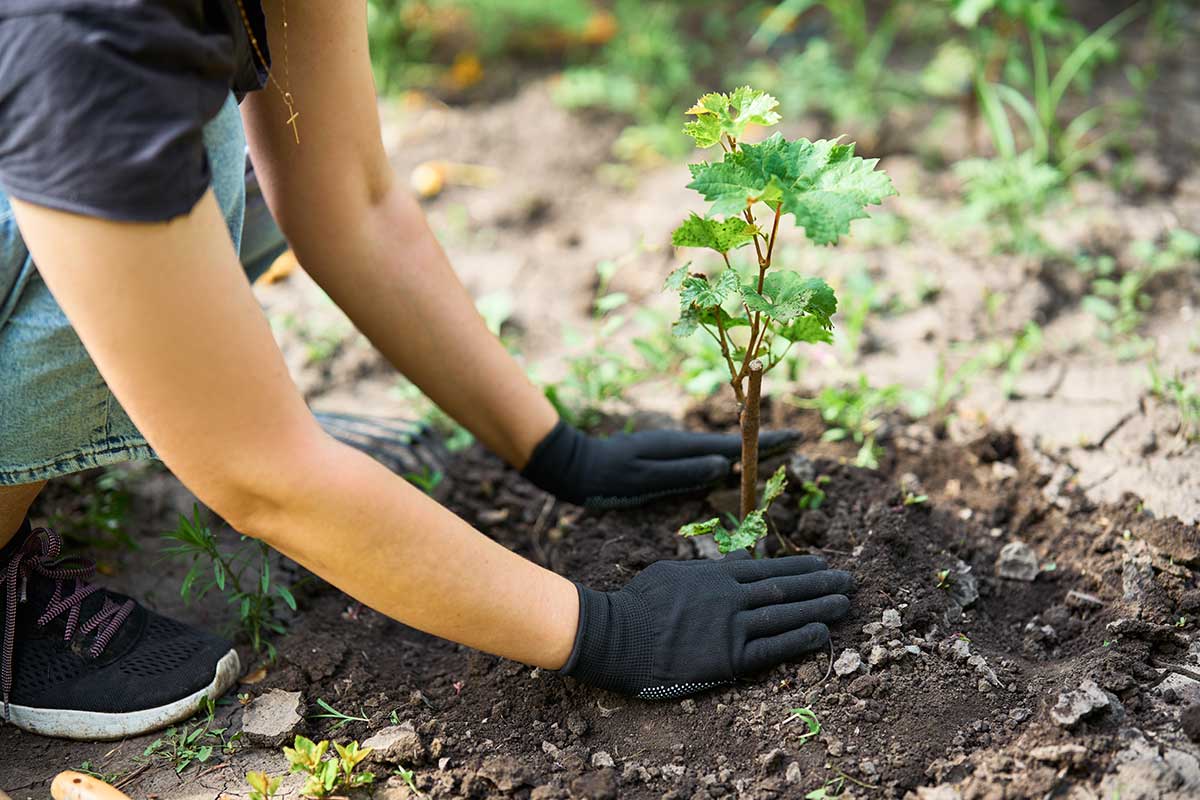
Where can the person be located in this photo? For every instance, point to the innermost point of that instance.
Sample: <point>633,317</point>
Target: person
<point>128,330</point>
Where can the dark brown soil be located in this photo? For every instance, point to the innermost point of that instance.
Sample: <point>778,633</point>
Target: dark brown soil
<point>951,696</point>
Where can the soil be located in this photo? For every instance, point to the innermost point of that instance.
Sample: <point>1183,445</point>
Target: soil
<point>945,695</point>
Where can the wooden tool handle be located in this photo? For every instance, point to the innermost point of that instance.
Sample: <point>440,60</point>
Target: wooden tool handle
<point>77,786</point>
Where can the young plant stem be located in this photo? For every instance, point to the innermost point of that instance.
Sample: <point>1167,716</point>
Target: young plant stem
<point>750,421</point>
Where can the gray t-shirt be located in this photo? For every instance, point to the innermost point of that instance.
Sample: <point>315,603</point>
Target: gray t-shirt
<point>103,102</point>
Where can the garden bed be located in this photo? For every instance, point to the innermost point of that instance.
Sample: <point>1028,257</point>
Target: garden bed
<point>942,694</point>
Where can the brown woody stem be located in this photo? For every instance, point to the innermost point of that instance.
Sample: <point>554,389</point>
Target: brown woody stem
<point>750,420</point>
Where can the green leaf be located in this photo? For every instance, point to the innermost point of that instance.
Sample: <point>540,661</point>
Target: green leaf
<point>809,330</point>
<point>786,296</point>
<point>675,279</point>
<point>287,596</point>
<point>698,292</point>
<point>701,528</point>
<point>774,488</point>
<point>745,535</point>
<point>822,183</point>
<point>697,231</point>
<point>720,114</point>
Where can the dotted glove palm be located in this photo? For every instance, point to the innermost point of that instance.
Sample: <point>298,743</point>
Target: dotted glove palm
<point>681,627</point>
<point>629,469</point>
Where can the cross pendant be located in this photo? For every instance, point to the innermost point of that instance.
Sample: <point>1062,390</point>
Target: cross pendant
<point>292,121</point>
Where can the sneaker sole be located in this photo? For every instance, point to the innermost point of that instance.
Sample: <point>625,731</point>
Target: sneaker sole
<point>96,726</point>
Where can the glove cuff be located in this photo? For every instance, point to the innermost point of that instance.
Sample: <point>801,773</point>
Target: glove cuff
<point>612,642</point>
<point>549,466</point>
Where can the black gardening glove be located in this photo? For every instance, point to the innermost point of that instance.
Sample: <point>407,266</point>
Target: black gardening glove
<point>680,627</point>
<point>629,469</point>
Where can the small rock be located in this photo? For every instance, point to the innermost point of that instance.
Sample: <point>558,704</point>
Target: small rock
<point>891,618</point>
<point>872,628</point>
<point>847,663</point>
<point>398,744</point>
<point>800,469</point>
<point>551,749</point>
<point>1017,562</point>
<point>577,724</point>
<point>773,760</point>
<point>688,706</point>
<point>912,649</point>
<point>602,759</point>
<point>443,762</point>
<point>794,774</point>
<point>506,772</point>
<point>984,687</point>
<point>878,656</point>
<point>272,718</point>
<point>1086,701</point>
<point>1189,720</point>
<point>635,773</point>
<point>599,785</point>
<point>1060,754</point>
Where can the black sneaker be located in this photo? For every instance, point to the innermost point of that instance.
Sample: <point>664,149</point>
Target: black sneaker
<point>80,662</point>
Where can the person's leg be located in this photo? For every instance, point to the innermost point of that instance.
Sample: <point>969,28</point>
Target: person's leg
<point>14,506</point>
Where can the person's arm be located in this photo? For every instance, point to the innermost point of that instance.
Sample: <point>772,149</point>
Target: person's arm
<point>364,239</point>
<point>174,328</point>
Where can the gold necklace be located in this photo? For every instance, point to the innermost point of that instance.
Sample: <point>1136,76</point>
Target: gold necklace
<point>286,94</point>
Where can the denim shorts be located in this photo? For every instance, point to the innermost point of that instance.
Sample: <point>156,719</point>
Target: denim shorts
<point>57,415</point>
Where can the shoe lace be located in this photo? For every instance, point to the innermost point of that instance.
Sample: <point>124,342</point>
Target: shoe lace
<point>39,555</point>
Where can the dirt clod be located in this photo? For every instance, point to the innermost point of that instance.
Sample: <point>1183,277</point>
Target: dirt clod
<point>272,718</point>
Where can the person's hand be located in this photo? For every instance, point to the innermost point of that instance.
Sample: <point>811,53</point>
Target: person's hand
<point>630,469</point>
<point>681,627</point>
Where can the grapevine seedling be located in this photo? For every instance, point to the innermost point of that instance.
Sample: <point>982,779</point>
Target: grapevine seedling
<point>751,528</point>
<point>824,187</point>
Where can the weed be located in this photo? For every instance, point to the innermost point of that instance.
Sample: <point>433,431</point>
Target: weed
<point>333,713</point>
<point>244,577</point>
<point>88,768</point>
<point>597,376</point>
<point>1009,192</point>
<point>409,777</point>
<point>944,579</point>
<point>1184,396</point>
<point>262,785</point>
<point>328,776</point>
<point>809,718</point>
<point>855,412</point>
<point>184,745</point>
<point>812,496</point>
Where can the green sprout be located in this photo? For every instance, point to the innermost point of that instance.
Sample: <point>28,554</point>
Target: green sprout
<point>812,496</point>
<point>327,777</point>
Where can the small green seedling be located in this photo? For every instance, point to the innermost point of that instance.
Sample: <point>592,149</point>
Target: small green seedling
<point>911,499</point>
<point>753,526</point>
<point>812,496</point>
<point>824,186</point>
<point>410,778</point>
<point>944,579</point>
<point>333,713</point>
<point>328,776</point>
<point>809,718</point>
<point>1181,622</point>
<point>263,786</point>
